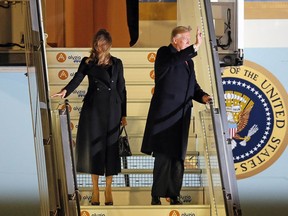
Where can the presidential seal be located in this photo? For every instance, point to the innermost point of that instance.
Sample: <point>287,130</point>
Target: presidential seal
<point>256,107</point>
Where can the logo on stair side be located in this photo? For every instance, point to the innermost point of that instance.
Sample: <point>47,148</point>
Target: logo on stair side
<point>93,212</point>
<point>61,57</point>
<point>85,213</point>
<point>174,213</point>
<point>72,57</point>
<point>151,57</point>
<point>63,74</point>
<point>257,111</point>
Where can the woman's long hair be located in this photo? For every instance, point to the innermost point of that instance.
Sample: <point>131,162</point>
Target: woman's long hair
<point>101,45</point>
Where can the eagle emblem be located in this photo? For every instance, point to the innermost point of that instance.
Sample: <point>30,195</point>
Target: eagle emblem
<point>239,108</point>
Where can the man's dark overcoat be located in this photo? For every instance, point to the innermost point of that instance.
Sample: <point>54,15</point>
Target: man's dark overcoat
<point>168,120</point>
<point>103,106</point>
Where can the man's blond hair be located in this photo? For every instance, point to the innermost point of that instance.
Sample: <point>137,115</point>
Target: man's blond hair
<point>179,30</point>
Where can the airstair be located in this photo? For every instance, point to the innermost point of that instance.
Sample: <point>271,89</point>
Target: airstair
<point>202,191</point>
<point>131,188</point>
<point>209,185</point>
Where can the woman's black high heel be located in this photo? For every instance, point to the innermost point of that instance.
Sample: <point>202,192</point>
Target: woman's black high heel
<point>97,197</point>
<point>109,202</point>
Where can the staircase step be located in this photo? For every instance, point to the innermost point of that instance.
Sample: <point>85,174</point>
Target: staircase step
<point>183,210</point>
<point>141,196</point>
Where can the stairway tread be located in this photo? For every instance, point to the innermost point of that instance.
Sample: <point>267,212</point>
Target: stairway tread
<point>188,210</point>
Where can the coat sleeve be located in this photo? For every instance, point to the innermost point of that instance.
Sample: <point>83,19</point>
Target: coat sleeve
<point>77,79</point>
<point>121,88</point>
<point>198,93</point>
<point>166,57</point>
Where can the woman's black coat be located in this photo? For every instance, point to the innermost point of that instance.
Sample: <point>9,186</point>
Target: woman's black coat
<point>103,107</point>
<point>168,120</point>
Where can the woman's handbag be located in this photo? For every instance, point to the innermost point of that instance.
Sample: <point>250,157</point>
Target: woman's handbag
<point>124,147</point>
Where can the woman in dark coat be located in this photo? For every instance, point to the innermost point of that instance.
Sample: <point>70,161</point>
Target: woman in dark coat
<point>103,111</point>
<point>167,127</point>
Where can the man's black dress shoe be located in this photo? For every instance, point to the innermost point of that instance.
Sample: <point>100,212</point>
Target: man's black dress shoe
<point>175,201</point>
<point>155,200</point>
